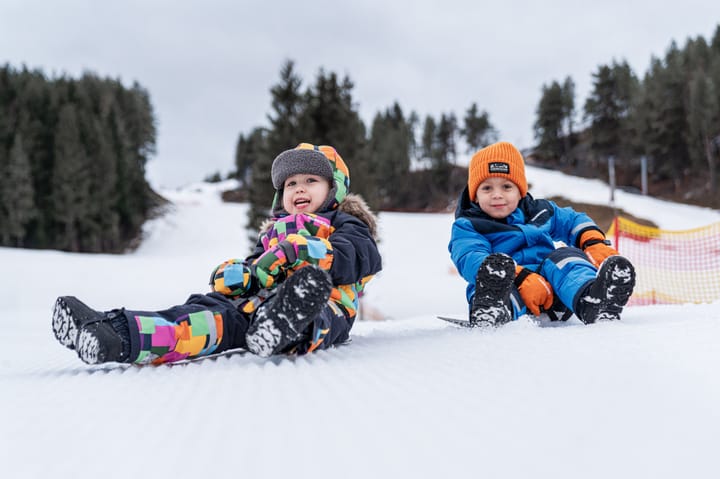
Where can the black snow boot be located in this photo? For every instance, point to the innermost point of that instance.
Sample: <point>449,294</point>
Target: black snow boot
<point>97,337</point>
<point>283,319</point>
<point>491,304</point>
<point>604,298</point>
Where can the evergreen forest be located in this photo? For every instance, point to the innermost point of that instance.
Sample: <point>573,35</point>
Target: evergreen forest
<point>72,161</point>
<point>670,117</point>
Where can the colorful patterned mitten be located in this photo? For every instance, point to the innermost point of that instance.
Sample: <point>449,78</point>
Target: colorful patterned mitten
<point>231,278</point>
<point>294,252</point>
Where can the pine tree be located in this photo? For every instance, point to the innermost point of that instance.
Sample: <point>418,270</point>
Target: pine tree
<point>284,133</point>
<point>551,116</point>
<point>16,195</point>
<point>390,148</point>
<point>428,144</point>
<point>609,109</point>
<point>103,228</point>
<point>286,109</point>
<point>704,126</point>
<point>447,131</point>
<point>70,180</point>
<point>260,193</point>
<point>477,129</point>
<point>715,41</point>
<point>330,117</point>
<point>3,186</point>
<point>34,114</point>
<point>663,117</point>
<point>133,131</point>
<point>413,121</point>
<point>246,152</point>
<point>7,93</point>
<point>568,106</point>
<point>100,226</point>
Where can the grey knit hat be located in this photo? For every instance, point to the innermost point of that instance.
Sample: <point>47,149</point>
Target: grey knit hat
<point>293,162</point>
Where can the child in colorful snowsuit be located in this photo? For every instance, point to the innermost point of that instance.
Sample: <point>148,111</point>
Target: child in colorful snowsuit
<point>297,292</point>
<point>524,255</point>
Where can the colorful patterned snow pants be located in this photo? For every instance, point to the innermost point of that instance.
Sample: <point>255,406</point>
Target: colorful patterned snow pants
<point>209,324</point>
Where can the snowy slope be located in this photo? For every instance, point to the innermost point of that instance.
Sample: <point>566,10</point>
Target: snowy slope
<point>410,397</point>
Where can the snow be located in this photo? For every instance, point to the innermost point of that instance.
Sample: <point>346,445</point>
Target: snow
<point>411,396</point>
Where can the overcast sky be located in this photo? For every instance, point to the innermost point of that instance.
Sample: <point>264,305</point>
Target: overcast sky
<point>209,64</point>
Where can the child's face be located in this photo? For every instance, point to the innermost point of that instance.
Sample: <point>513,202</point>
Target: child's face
<point>498,197</point>
<point>304,193</point>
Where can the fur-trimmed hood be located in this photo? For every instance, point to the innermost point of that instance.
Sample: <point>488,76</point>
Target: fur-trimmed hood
<point>355,205</point>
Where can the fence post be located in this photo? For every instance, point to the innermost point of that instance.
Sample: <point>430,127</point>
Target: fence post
<point>611,175</point>
<point>617,232</point>
<point>643,175</point>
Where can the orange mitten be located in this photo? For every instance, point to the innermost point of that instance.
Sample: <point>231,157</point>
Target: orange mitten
<point>534,290</point>
<point>596,247</point>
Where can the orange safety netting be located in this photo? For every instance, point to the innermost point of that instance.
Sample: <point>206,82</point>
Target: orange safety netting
<point>671,266</point>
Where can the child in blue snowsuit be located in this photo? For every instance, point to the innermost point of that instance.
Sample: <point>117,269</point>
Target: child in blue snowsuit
<point>297,292</point>
<point>523,255</point>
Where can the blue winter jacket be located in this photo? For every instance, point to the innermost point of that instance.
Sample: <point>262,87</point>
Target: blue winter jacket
<point>528,235</point>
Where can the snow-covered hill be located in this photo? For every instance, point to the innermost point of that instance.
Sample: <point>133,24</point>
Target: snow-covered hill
<point>410,397</point>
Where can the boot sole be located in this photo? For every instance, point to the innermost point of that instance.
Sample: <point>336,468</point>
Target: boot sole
<point>69,313</point>
<point>617,275</point>
<point>98,342</point>
<point>490,306</point>
<point>621,279</point>
<point>293,308</point>
<point>88,347</point>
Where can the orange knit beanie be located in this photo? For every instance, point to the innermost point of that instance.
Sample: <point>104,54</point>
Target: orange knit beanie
<point>500,159</point>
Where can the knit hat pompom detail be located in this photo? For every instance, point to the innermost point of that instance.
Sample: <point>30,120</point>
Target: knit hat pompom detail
<point>500,159</point>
